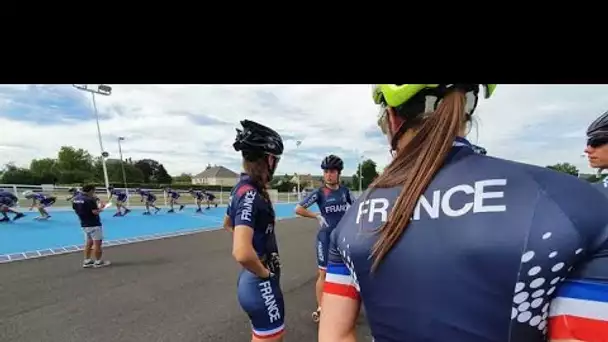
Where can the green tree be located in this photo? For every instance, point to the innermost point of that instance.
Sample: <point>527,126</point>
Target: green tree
<point>184,178</point>
<point>162,176</point>
<point>369,173</point>
<point>133,174</point>
<point>148,167</point>
<point>46,170</point>
<point>565,168</point>
<point>71,159</point>
<point>596,178</point>
<point>18,175</point>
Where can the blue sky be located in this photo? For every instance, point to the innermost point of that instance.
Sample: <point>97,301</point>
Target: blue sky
<point>187,127</point>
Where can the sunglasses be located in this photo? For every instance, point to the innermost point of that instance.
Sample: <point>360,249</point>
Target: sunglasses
<point>597,142</point>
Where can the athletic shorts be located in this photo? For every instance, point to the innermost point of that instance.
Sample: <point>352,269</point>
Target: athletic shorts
<point>262,300</point>
<point>322,247</point>
<point>210,198</point>
<point>47,202</point>
<point>93,233</point>
<point>150,200</point>
<point>121,199</point>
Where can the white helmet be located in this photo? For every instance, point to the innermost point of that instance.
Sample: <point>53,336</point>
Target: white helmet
<point>27,193</point>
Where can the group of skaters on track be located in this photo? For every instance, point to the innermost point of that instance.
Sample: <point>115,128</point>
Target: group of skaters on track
<point>447,244</point>
<point>41,201</point>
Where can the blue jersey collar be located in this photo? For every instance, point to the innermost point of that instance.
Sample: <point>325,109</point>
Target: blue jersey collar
<point>462,142</point>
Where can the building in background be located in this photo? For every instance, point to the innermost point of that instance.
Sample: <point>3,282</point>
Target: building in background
<point>216,175</point>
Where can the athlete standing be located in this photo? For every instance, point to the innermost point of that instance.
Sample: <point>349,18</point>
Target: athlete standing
<point>88,207</point>
<point>451,245</point>
<point>254,244</point>
<point>597,148</point>
<point>333,200</point>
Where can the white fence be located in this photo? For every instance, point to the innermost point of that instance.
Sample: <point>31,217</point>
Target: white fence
<point>61,192</point>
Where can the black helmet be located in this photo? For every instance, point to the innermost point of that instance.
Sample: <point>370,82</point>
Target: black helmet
<point>332,162</point>
<point>257,138</point>
<point>599,127</point>
<point>479,150</point>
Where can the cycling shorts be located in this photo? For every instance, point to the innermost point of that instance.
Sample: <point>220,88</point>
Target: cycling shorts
<point>322,247</point>
<point>262,300</point>
<point>47,202</point>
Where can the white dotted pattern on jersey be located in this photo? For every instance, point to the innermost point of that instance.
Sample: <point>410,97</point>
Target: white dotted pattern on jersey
<point>345,252</point>
<point>535,287</point>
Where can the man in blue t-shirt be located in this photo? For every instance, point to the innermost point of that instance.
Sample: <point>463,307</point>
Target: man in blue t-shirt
<point>333,200</point>
<point>86,207</point>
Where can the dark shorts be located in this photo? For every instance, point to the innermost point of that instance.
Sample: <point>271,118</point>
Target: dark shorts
<point>210,198</point>
<point>150,200</point>
<point>121,199</point>
<point>322,247</point>
<point>262,300</point>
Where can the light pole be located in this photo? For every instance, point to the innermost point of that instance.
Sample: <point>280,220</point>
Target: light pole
<point>122,164</point>
<point>105,90</point>
<point>298,143</point>
<point>360,175</point>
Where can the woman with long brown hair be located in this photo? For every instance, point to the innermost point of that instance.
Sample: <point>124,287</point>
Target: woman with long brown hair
<point>254,244</point>
<point>451,245</point>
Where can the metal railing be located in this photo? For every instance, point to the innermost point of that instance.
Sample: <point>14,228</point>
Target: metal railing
<point>61,193</point>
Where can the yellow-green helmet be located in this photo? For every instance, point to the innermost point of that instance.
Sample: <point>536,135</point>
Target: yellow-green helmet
<point>394,95</point>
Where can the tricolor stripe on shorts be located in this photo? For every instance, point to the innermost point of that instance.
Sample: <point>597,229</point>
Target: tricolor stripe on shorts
<point>340,282</point>
<point>580,311</point>
<point>271,333</point>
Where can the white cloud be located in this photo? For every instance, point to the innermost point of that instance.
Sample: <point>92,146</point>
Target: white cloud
<point>187,126</point>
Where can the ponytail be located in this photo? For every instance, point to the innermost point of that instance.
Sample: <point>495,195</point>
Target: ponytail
<point>414,167</point>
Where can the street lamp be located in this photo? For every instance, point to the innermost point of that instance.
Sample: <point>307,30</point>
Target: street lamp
<point>360,175</point>
<point>105,90</point>
<point>298,143</point>
<point>122,165</point>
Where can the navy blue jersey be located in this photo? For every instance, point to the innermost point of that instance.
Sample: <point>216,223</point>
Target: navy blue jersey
<point>84,205</point>
<point>488,247</point>
<point>248,208</point>
<point>199,195</point>
<point>332,203</point>
<point>121,195</point>
<point>8,196</point>
<point>602,186</point>
<point>147,195</point>
<point>173,194</point>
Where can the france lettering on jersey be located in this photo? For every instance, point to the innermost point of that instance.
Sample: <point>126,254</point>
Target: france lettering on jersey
<point>488,248</point>
<point>120,195</point>
<point>332,203</point>
<point>248,208</point>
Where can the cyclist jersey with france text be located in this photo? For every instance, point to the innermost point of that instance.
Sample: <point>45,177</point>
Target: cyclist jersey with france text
<point>247,207</point>
<point>488,247</point>
<point>332,203</point>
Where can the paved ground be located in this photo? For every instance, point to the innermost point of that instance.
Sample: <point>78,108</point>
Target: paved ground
<point>179,289</point>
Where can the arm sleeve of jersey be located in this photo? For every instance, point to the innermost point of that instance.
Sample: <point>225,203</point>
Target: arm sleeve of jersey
<point>580,308</point>
<point>245,207</point>
<point>309,200</point>
<point>339,280</point>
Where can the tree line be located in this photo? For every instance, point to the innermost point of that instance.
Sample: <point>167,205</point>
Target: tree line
<point>74,166</point>
<point>573,170</point>
<point>78,166</point>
